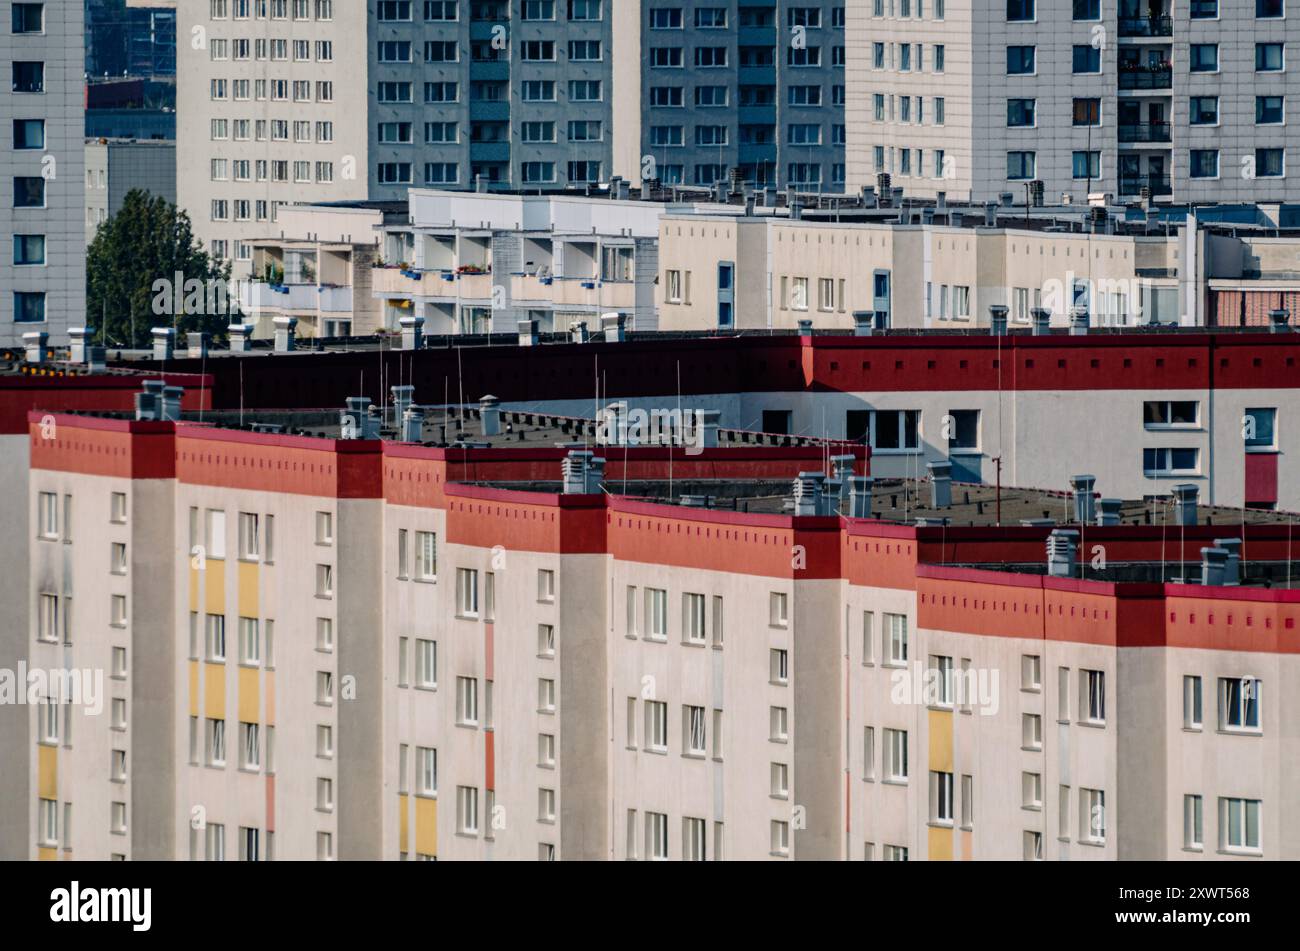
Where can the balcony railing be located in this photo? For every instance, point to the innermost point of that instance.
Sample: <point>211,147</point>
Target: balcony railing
<point>1133,184</point>
<point>1144,132</point>
<point>1146,26</point>
<point>1146,77</point>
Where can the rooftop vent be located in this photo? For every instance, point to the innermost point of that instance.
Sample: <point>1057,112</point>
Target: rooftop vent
<point>1108,511</point>
<point>412,332</point>
<point>1213,562</point>
<point>998,320</point>
<point>286,333</point>
<point>1042,321</point>
<point>1084,502</point>
<point>808,498</point>
<point>490,413</point>
<point>860,496</point>
<point>1279,321</point>
<point>1062,544</point>
<point>1231,564</point>
<point>164,338</point>
<point>940,483</point>
<point>240,337</point>
<point>1185,503</point>
<point>527,333</point>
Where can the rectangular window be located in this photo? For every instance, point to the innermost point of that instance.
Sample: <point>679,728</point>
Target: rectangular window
<point>895,638</point>
<point>896,756</point>
<point>1269,57</point>
<point>1192,703</point>
<point>1239,825</point>
<point>1239,704</point>
<point>467,592</point>
<point>693,729</point>
<point>1092,686</point>
<point>1193,822</point>
<point>1204,57</point>
<point>1092,816</point>
<point>693,626</point>
<point>656,725</point>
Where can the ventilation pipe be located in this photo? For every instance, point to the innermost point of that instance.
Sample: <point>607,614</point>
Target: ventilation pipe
<point>1084,502</point>
<point>860,496</point>
<point>412,332</point>
<point>1079,321</point>
<point>527,333</point>
<point>1213,564</point>
<point>286,333</point>
<point>1042,321</point>
<point>80,338</point>
<point>149,402</point>
<point>1108,511</point>
<point>197,345</point>
<point>1062,545</point>
<point>403,397</point>
<point>1231,564</point>
<point>940,483</point>
<point>998,320</point>
<point>808,493</point>
<point>164,339</point>
<point>240,337</point>
<point>1185,503</point>
<point>490,412</point>
<point>1279,321</point>
<point>413,424</point>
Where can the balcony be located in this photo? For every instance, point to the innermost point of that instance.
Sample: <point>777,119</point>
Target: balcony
<point>1146,26</point>
<point>1133,184</point>
<point>1144,132</point>
<point>443,284</point>
<point>1146,77</point>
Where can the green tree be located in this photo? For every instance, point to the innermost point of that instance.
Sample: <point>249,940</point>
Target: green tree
<point>131,273</point>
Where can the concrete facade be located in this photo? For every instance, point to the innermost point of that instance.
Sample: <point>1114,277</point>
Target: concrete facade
<point>43,262</point>
<point>114,168</point>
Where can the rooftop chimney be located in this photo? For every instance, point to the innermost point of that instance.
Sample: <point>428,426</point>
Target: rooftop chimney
<point>356,421</point>
<point>578,331</point>
<point>527,333</point>
<point>1108,511</point>
<point>197,345</point>
<point>490,411</point>
<point>149,402</point>
<point>808,493</point>
<point>413,424</point>
<point>998,320</point>
<point>990,214</point>
<point>1006,199</point>
<point>1062,544</point>
<point>842,471</point>
<point>1078,321</point>
<point>412,332</point>
<point>403,397</point>
<point>863,323</point>
<point>240,336</point>
<point>708,423</point>
<point>1042,321</point>
<point>614,325</point>
<point>940,483</point>
<point>285,333</point>
<point>1084,503</point>
<point>573,471</point>
<point>805,327</point>
<point>1213,563</point>
<point>860,496</point>
<point>171,403</point>
<point>694,501</point>
<point>163,340</point>
<point>1279,321</point>
<point>80,337</point>
<point>1185,503</point>
<point>1232,564</point>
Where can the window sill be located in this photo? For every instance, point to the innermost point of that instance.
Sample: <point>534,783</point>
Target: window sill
<point>1093,843</point>
<point>784,797</point>
<point>550,656</point>
<point>940,824</point>
<point>418,580</point>
<point>694,643</point>
<point>427,688</point>
<point>1037,807</point>
<point>549,711</point>
<point>1195,849</point>
<point>894,782</point>
<point>694,754</point>
<point>1243,853</point>
<point>656,751</point>
<point>779,683</point>
<point>466,725</point>
<point>1031,749</point>
<point>1093,724</point>
<point>1193,729</point>
<point>1232,731</point>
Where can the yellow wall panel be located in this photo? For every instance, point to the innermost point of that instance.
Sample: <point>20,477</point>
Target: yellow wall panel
<point>940,845</point>
<point>402,823</point>
<point>248,595</point>
<point>214,579</point>
<point>967,845</point>
<point>214,691</point>
<point>47,762</point>
<point>194,688</point>
<point>426,826</point>
<point>194,587</point>
<point>270,698</point>
<point>248,698</point>
<point>941,741</point>
<point>47,855</point>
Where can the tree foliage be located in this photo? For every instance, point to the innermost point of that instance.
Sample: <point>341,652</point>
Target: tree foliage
<point>147,242</point>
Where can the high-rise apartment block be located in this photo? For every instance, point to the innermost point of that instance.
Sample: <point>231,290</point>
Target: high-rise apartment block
<point>1166,99</point>
<point>42,267</point>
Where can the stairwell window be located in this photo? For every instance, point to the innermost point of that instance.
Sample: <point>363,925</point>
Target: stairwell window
<point>250,751</point>
<point>656,836</point>
<point>467,810</point>
<point>324,581</point>
<point>1193,823</point>
<point>1192,703</point>
<point>780,838</point>
<point>941,798</point>
<point>778,724</point>
<point>546,696</point>
<point>250,642</point>
<point>779,666</point>
<point>48,516</point>
<point>215,742</point>
<point>426,771</point>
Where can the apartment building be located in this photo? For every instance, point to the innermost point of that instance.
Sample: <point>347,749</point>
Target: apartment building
<point>318,270</point>
<point>973,100</point>
<point>750,91</point>
<point>269,93</point>
<point>115,167</point>
<point>479,263</point>
<point>484,655</point>
<point>1210,407</point>
<point>935,270</point>
<point>43,265</point>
